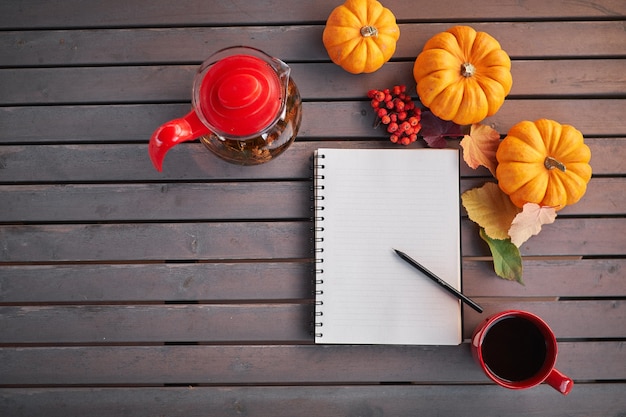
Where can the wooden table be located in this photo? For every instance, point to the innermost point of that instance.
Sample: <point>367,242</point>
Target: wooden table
<point>128,292</point>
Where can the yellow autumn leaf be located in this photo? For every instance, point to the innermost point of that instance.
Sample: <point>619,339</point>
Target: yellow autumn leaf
<point>480,146</point>
<point>491,209</point>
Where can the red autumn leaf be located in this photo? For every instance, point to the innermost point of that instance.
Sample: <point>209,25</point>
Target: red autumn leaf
<point>480,146</point>
<point>435,130</point>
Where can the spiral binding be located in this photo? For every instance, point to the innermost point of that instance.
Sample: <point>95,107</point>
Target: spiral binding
<point>318,240</point>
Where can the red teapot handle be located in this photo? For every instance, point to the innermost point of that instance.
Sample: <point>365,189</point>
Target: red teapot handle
<point>172,133</point>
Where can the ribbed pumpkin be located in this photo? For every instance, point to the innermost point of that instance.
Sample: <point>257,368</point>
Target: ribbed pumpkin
<point>463,75</point>
<point>361,35</point>
<point>543,162</point>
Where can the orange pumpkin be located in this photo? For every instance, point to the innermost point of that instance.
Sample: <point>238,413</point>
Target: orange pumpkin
<point>361,35</point>
<point>463,75</point>
<point>543,162</point>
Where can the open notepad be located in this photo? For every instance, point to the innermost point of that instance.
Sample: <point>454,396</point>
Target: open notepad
<point>369,201</point>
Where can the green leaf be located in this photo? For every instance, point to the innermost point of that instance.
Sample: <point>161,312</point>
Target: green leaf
<point>507,260</point>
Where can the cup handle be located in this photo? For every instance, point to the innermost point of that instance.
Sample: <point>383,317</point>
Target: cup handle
<point>172,133</point>
<point>560,382</point>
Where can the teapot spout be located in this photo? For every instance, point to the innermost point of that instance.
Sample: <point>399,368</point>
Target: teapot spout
<point>171,134</point>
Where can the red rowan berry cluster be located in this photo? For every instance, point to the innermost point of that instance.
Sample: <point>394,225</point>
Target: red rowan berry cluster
<point>395,109</point>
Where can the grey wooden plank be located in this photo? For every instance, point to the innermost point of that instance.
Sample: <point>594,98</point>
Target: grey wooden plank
<point>225,201</point>
<point>261,240</point>
<point>593,318</point>
<point>568,77</point>
<point>148,241</point>
<point>210,241</point>
<point>268,323</point>
<point>155,282</point>
<point>119,162</point>
<point>152,202</point>
<point>549,278</point>
<point>603,154</point>
<point>192,162</point>
<point>604,121</point>
<point>279,364</point>
<point>585,400</point>
<point>156,323</point>
<point>566,236</point>
<point>205,282</point>
<point>132,84</point>
<point>137,122</point>
<point>37,13</point>
<point>538,39</point>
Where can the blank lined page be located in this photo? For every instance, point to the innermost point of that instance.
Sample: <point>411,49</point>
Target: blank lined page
<point>370,201</point>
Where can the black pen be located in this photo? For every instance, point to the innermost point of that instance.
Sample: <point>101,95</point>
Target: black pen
<point>439,281</point>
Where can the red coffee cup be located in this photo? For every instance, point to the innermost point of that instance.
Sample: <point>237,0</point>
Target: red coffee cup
<point>517,350</point>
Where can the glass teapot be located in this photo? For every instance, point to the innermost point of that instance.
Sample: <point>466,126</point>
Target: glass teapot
<point>245,108</point>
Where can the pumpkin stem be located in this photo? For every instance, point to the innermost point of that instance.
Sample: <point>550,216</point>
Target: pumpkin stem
<point>367,31</point>
<point>551,163</point>
<point>467,70</point>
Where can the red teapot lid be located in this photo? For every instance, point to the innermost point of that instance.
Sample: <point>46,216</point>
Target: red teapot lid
<point>240,95</point>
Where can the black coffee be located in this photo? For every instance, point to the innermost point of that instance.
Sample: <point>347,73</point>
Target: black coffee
<point>514,349</point>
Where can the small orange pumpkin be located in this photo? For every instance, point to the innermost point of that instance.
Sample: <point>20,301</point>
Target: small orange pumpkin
<point>361,35</point>
<point>543,162</point>
<point>463,75</point>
